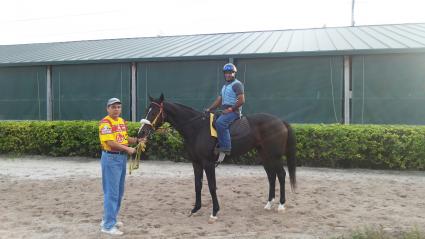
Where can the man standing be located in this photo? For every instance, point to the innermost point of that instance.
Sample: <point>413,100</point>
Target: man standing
<point>114,140</point>
<point>230,100</point>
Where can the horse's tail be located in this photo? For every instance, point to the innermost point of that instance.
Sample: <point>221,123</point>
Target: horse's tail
<point>291,151</point>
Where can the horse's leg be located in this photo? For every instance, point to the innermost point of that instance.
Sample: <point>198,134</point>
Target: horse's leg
<point>198,171</point>
<point>210,172</point>
<point>281,174</point>
<point>271,175</point>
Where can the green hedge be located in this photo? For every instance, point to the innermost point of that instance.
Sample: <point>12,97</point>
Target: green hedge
<point>364,146</point>
<point>361,146</point>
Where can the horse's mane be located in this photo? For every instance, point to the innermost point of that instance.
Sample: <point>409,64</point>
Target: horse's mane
<point>185,107</point>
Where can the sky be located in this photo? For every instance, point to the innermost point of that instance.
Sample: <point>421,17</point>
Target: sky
<point>29,21</point>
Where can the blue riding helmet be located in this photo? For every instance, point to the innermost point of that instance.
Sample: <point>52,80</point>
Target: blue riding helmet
<point>229,67</point>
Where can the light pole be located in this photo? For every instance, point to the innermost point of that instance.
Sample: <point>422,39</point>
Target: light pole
<point>352,13</point>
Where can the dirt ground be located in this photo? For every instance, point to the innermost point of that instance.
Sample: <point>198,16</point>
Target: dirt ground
<point>44,197</point>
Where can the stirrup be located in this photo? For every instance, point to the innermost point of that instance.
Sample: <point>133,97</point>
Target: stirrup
<point>220,159</point>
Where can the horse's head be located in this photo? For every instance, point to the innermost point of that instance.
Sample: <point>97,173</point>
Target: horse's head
<point>154,118</point>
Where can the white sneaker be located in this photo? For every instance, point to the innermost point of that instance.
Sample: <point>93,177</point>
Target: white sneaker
<point>118,224</point>
<point>113,231</point>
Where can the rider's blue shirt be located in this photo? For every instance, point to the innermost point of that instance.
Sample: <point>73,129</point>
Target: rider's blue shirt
<point>229,93</point>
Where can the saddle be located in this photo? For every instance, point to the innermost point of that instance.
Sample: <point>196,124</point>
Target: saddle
<point>238,129</point>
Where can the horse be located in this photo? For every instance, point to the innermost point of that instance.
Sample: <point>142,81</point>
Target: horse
<point>269,135</point>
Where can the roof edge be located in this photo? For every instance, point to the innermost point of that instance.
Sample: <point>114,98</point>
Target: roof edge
<point>217,33</point>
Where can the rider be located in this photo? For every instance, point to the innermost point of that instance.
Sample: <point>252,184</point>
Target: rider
<point>230,100</point>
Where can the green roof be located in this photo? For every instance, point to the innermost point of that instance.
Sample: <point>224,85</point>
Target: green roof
<point>396,38</point>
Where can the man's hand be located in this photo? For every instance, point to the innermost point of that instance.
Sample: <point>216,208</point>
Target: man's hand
<point>131,150</point>
<point>141,140</point>
<point>228,110</point>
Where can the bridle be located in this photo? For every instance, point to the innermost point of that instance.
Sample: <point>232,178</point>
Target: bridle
<point>161,115</point>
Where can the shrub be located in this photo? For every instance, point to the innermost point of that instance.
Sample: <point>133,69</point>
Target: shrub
<point>332,145</point>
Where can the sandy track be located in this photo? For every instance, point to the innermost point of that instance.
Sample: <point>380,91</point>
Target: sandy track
<point>61,198</point>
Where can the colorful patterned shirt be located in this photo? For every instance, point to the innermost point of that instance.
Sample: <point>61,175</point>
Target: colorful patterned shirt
<point>112,130</point>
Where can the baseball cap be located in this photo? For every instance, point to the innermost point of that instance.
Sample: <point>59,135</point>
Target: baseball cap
<point>112,101</point>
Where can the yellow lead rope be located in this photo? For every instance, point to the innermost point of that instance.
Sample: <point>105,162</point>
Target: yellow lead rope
<point>134,162</point>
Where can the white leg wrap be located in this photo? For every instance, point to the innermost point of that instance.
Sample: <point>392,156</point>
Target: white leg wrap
<point>281,208</point>
<point>212,219</point>
<point>221,157</point>
<point>269,205</point>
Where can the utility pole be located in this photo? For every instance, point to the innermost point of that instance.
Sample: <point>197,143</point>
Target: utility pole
<point>352,13</point>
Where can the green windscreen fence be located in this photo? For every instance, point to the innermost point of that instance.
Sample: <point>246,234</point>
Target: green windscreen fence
<point>81,91</point>
<point>23,93</point>
<point>193,83</point>
<point>388,89</point>
<point>301,90</point>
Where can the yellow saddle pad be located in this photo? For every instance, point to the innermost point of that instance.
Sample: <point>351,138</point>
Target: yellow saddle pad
<point>240,128</point>
<point>213,131</point>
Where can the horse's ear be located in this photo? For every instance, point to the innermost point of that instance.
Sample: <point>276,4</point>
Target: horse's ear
<point>161,98</point>
<point>150,98</point>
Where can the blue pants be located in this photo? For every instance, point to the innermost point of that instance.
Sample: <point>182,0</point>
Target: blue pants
<point>113,179</point>
<point>222,125</point>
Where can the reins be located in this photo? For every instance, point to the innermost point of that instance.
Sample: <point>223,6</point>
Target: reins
<point>191,119</point>
<point>134,161</point>
<point>162,114</point>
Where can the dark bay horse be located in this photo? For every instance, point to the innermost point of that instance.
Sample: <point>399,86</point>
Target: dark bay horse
<point>272,137</point>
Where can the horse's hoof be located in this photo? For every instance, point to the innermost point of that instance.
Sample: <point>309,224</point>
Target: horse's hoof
<point>269,205</point>
<point>193,213</point>
<point>212,219</point>
<point>281,208</point>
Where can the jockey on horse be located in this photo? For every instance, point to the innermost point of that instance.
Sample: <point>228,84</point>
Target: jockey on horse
<point>230,101</point>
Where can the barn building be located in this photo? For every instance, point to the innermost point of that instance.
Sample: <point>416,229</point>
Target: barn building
<point>351,75</point>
